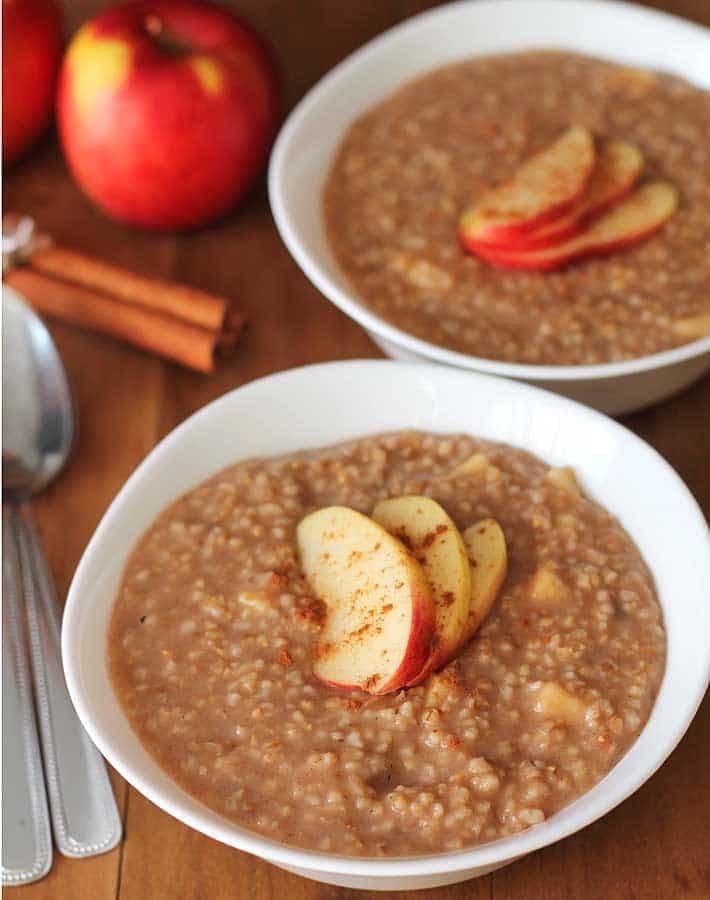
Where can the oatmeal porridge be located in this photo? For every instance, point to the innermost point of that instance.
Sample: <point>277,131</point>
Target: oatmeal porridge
<point>213,631</point>
<point>410,166</point>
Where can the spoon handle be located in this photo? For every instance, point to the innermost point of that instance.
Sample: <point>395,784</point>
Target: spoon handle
<point>85,818</point>
<point>26,835</point>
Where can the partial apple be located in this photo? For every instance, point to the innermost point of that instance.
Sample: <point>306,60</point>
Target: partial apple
<point>554,702</point>
<point>379,615</point>
<point>31,51</point>
<point>618,168</point>
<point>694,327</point>
<point>166,111</point>
<point>634,219</point>
<point>542,189</point>
<point>488,557</point>
<point>425,528</point>
<point>477,464</point>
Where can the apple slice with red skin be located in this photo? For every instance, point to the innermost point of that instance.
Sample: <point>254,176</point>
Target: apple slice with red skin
<point>426,529</point>
<point>379,615</point>
<point>543,188</point>
<point>618,168</point>
<point>632,220</point>
<point>488,557</point>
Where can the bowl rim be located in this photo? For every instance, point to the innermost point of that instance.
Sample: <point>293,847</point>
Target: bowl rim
<point>348,301</point>
<point>499,851</point>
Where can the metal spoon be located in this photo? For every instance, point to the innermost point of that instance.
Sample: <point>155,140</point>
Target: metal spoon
<point>38,429</point>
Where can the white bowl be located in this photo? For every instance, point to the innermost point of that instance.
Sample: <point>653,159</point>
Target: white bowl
<point>319,405</point>
<point>307,142</point>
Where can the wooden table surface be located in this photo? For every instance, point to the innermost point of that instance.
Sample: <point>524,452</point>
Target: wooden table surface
<point>655,845</point>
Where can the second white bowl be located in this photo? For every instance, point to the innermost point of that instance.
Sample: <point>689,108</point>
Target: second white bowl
<point>306,145</point>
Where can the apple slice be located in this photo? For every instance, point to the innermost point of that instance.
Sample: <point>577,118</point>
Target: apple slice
<point>426,529</point>
<point>488,556</point>
<point>617,170</point>
<point>543,188</point>
<point>564,479</point>
<point>379,616</point>
<point>644,211</point>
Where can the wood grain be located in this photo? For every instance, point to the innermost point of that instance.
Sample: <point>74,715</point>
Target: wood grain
<point>653,846</point>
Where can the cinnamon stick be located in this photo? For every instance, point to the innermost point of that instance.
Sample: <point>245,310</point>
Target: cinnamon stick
<point>178,300</point>
<point>166,335</point>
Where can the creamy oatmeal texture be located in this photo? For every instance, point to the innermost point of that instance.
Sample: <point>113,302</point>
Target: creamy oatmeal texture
<point>409,167</point>
<point>212,634</point>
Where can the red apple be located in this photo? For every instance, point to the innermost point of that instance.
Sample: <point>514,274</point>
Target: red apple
<point>166,111</point>
<point>31,50</point>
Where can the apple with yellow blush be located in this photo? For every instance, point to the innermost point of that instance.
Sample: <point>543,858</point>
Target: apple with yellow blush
<point>166,111</point>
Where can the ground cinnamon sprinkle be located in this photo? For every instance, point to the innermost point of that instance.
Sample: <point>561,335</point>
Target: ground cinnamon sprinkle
<point>447,598</point>
<point>372,682</point>
<point>429,538</point>
<point>277,581</point>
<point>284,658</point>
<point>311,612</point>
<point>358,632</point>
<point>320,651</point>
<point>352,703</point>
<point>405,539</point>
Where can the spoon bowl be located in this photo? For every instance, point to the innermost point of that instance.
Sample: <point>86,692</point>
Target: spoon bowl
<point>38,414</point>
